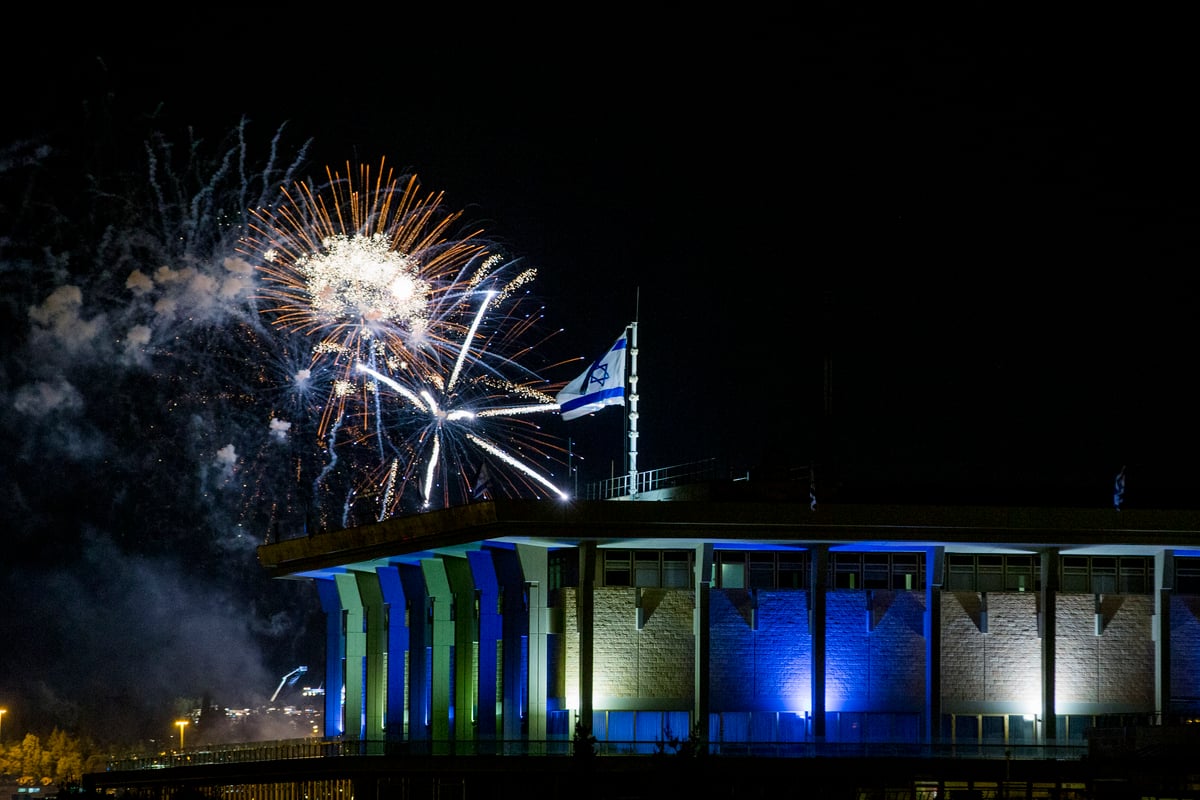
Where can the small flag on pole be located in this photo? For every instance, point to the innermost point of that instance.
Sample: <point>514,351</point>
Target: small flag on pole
<point>601,384</point>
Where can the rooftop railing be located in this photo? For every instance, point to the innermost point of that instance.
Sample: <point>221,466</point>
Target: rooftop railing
<point>654,479</point>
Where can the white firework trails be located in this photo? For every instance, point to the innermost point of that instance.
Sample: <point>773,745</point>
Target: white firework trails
<point>414,330</point>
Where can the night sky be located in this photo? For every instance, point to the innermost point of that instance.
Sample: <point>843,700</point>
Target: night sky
<point>942,264</point>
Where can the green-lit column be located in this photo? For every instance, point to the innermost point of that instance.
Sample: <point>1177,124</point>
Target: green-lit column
<point>458,571</point>
<point>700,632</point>
<point>534,565</point>
<point>437,584</point>
<point>356,651</point>
<point>375,645</point>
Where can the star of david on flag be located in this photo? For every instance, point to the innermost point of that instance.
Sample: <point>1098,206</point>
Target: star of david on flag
<point>601,384</point>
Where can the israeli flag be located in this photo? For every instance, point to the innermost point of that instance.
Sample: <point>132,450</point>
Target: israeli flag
<point>602,384</point>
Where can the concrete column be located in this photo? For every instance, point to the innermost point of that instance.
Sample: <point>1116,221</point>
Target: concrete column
<point>335,653</point>
<point>585,607</point>
<point>375,644</point>
<point>703,579</point>
<point>356,651</point>
<point>534,565</point>
<point>818,585</point>
<point>437,584</point>
<point>935,573</point>
<point>420,634</point>
<point>395,714</point>
<point>1049,603</point>
<point>1164,582</point>
<point>487,590</point>
<point>458,571</point>
<point>515,626</point>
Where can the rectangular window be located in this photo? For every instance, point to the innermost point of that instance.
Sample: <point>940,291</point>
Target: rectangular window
<point>1104,575</point>
<point>645,568</point>
<point>732,569</point>
<point>617,568</point>
<point>960,572</point>
<point>760,570</point>
<point>876,571</point>
<point>677,569</point>
<point>1135,572</point>
<point>1075,576</point>
<point>1187,575</point>
<point>1018,573</point>
<point>847,570</point>
<point>793,570</point>
<point>563,566</point>
<point>906,571</point>
<point>989,572</point>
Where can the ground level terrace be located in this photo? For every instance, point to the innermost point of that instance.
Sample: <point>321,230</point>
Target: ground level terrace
<point>314,770</point>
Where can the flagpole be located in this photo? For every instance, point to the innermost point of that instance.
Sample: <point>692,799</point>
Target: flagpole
<point>633,411</point>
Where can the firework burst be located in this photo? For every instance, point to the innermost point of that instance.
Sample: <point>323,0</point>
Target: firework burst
<point>416,331</point>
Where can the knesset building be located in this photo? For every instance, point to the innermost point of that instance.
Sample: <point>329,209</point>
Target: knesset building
<point>751,624</point>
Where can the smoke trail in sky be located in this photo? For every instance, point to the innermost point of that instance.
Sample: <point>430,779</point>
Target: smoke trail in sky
<point>184,379</point>
<point>128,409</point>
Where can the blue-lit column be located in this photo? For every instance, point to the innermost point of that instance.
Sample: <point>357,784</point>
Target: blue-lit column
<point>818,584</point>
<point>416,609</point>
<point>1164,583</point>
<point>335,653</point>
<point>356,651</point>
<point>702,635</point>
<point>515,625</point>
<point>440,596</point>
<point>1049,601</point>
<point>487,589</point>
<point>935,570</point>
<point>397,650</point>
<point>534,566</point>
<point>458,571</point>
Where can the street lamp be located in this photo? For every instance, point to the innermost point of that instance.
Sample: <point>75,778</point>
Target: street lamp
<point>3,711</point>
<point>181,723</point>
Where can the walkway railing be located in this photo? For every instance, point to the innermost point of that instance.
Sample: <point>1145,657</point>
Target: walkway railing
<point>321,748</point>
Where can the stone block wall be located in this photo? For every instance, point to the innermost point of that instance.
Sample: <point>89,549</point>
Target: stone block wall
<point>765,669</point>
<point>1114,668</point>
<point>1002,665</point>
<point>635,668</point>
<point>1185,648</point>
<point>875,650</point>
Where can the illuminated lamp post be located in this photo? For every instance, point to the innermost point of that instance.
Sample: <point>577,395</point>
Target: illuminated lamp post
<point>182,723</point>
<point>3,711</point>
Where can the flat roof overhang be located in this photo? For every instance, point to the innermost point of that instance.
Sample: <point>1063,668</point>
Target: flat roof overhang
<point>548,523</point>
